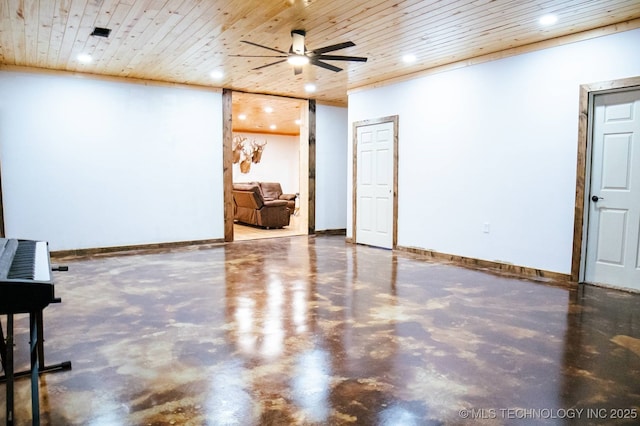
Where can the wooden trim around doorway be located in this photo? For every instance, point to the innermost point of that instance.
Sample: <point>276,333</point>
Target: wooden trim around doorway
<point>227,163</point>
<point>587,92</point>
<point>311,118</point>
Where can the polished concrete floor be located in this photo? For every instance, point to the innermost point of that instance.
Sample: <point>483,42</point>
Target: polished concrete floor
<point>314,331</point>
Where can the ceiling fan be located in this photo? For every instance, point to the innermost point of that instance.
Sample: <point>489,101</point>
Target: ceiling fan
<point>298,55</point>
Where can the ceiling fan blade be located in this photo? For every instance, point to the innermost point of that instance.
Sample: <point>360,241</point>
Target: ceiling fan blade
<point>324,65</point>
<point>342,58</point>
<point>264,47</point>
<point>268,65</point>
<point>258,56</point>
<point>333,47</point>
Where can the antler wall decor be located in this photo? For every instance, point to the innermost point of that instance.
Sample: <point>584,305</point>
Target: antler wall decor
<point>257,150</point>
<point>245,152</point>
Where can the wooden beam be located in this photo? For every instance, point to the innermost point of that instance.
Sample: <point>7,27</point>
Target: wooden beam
<point>312,167</point>
<point>227,163</point>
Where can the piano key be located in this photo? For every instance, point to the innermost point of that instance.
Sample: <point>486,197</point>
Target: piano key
<point>23,260</point>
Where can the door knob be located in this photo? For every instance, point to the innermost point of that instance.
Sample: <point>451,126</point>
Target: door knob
<point>595,198</point>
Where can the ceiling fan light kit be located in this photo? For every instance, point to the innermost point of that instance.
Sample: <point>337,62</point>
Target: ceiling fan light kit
<point>298,60</point>
<point>298,55</point>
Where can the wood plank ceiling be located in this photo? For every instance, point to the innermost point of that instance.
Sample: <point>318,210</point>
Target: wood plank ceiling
<point>184,41</point>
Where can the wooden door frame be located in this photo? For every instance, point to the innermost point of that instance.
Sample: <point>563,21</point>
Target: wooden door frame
<point>354,176</point>
<point>585,127</point>
<point>227,164</point>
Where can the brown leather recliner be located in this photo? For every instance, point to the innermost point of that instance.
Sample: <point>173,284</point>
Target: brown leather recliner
<point>251,208</point>
<point>273,191</point>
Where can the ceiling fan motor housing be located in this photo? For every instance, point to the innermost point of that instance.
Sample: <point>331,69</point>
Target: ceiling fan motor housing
<point>297,46</point>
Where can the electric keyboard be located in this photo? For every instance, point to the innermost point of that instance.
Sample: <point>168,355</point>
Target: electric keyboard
<point>25,276</point>
<point>26,287</point>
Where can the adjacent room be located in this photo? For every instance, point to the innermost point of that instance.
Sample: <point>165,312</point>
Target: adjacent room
<point>319,213</point>
<point>269,143</point>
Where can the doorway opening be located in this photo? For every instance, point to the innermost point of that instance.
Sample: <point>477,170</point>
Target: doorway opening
<point>266,145</point>
<point>375,182</point>
<point>597,220</point>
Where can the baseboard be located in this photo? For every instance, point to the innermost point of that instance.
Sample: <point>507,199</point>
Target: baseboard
<point>494,266</point>
<point>135,249</point>
<point>331,232</point>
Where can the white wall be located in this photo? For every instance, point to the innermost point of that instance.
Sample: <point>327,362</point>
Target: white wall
<point>280,162</point>
<point>331,167</point>
<point>91,163</point>
<point>495,143</point>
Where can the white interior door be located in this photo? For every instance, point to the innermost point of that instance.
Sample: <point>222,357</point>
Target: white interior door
<point>374,185</point>
<point>613,235</point>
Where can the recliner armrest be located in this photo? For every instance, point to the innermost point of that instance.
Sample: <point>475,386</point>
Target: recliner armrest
<point>275,203</point>
<point>288,197</point>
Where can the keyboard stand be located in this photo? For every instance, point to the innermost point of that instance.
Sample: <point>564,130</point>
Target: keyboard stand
<point>36,347</point>
<point>7,365</point>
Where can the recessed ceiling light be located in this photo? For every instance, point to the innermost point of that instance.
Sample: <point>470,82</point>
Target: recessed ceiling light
<point>268,110</point>
<point>298,121</point>
<point>409,58</point>
<point>84,58</point>
<point>310,87</point>
<point>548,19</point>
<point>217,75</point>
<point>273,127</point>
<point>242,117</point>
